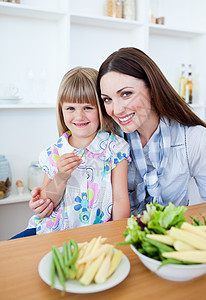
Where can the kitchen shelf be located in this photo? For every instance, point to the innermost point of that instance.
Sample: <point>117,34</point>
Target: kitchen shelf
<point>15,198</point>
<point>157,29</point>
<point>18,10</point>
<point>27,106</point>
<point>104,22</point>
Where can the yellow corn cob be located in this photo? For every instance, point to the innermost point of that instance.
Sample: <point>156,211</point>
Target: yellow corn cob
<point>196,256</point>
<point>103,249</point>
<point>80,246</point>
<point>182,246</point>
<point>102,272</point>
<point>96,246</point>
<point>71,274</point>
<point>90,246</point>
<point>188,237</point>
<point>103,240</point>
<point>115,261</point>
<point>161,238</point>
<point>202,227</point>
<point>193,229</point>
<point>80,270</point>
<point>89,274</point>
<point>80,267</point>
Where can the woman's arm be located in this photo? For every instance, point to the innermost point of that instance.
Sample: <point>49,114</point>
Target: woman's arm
<point>42,208</point>
<point>121,205</point>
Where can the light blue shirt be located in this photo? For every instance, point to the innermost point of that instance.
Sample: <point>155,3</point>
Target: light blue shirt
<point>187,159</point>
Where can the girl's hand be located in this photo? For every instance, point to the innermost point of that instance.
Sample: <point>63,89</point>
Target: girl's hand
<point>42,208</point>
<point>67,163</point>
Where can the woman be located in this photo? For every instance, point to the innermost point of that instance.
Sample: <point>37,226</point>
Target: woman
<point>166,138</point>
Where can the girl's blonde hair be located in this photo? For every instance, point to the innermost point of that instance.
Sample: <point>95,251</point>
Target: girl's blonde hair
<point>78,86</point>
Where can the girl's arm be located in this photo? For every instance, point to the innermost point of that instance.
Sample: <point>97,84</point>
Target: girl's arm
<point>46,198</point>
<point>55,188</point>
<point>121,205</point>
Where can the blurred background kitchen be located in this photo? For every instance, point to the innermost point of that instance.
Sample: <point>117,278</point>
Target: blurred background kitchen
<point>41,39</point>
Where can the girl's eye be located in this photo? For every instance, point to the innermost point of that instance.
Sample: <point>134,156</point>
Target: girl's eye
<point>70,108</point>
<point>88,107</point>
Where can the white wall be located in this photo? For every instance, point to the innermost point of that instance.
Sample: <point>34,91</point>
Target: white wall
<point>24,134</point>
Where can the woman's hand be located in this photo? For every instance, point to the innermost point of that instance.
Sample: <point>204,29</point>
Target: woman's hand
<point>42,208</point>
<point>66,164</point>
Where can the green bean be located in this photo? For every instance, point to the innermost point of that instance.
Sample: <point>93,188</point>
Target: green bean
<point>60,258</point>
<point>161,247</point>
<point>60,272</point>
<point>74,269</point>
<point>66,257</point>
<point>123,243</point>
<point>72,257</point>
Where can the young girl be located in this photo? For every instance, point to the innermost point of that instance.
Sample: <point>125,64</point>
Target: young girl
<point>86,169</point>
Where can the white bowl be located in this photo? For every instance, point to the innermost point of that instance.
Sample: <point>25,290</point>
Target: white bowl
<point>171,271</point>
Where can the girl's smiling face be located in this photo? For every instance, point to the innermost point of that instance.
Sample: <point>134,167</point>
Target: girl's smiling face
<point>127,100</point>
<point>82,119</point>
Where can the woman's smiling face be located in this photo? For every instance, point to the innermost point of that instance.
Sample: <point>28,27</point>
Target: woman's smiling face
<point>127,100</point>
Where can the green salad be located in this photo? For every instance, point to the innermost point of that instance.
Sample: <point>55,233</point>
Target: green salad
<point>156,219</point>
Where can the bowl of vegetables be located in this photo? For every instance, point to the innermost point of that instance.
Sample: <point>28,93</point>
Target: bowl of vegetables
<point>166,244</point>
<point>174,272</point>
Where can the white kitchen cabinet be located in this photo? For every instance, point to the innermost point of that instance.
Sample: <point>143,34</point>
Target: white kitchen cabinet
<point>42,39</point>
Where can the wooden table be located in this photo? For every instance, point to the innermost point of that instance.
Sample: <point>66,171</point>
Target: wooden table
<point>19,259</point>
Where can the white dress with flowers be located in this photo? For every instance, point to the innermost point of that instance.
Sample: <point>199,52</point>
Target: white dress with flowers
<point>88,196</point>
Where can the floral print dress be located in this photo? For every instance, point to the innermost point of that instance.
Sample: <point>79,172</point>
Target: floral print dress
<point>88,196</point>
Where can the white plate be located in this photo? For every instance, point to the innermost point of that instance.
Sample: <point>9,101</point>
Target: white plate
<point>73,286</point>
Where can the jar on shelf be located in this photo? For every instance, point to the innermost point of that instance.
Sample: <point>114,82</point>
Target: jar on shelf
<point>5,177</point>
<point>35,175</point>
<point>114,8</point>
<point>129,9</point>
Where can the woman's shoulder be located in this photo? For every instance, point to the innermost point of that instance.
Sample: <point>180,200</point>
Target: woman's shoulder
<point>196,134</point>
<point>181,132</point>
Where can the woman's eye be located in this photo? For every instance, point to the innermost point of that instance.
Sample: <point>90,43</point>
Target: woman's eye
<point>70,108</point>
<point>126,94</point>
<point>106,99</point>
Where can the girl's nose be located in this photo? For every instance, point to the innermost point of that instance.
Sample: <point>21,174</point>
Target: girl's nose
<point>80,114</point>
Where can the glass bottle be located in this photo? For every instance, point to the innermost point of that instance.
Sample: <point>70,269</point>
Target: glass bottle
<point>5,177</point>
<point>114,8</point>
<point>189,86</point>
<point>129,9</point>
<point>35,175</point>
<point>182,82</point>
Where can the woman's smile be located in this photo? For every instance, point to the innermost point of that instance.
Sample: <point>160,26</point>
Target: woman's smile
<point>126,119</point>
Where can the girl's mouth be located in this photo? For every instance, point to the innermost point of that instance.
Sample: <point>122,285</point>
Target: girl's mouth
<point>126,119</point>
<point>81,124</point>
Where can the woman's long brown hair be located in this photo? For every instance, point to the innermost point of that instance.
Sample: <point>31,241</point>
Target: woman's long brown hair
<point>164,98</point>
